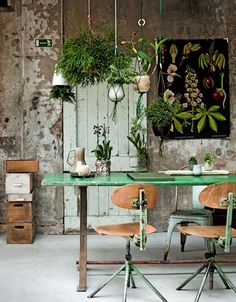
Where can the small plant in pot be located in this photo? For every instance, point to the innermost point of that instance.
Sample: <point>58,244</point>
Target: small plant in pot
<point>192,161</point>
<point>208,162</point>
<point>120,73</point>
<point>147,58</point>
<point>165,114</point>
<point>102,150</point>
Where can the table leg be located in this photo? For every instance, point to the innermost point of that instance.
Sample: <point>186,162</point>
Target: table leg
<point>83,240</point>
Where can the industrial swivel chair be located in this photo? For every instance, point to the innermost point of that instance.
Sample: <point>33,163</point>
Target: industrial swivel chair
<point>197,215</point>
<point>217,196</point>
<point>136,197</point>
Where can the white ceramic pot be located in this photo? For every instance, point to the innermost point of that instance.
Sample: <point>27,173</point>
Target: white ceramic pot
<point>208,167</point>
<point>116,92</point>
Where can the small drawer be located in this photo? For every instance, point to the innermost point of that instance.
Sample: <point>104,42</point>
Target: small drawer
<point>22,165</point>
<point>18,183</point>
<point>20,197</point>
<point>21,232</point>
<point>20,212</point>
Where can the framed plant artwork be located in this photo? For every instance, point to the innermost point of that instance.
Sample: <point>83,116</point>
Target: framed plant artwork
<point>197,73</point>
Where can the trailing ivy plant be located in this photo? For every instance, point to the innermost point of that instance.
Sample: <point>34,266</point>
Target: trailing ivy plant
<point>211,115</point>
<point>138,134</point>
<point>65,93</point>
<point>86,59</point>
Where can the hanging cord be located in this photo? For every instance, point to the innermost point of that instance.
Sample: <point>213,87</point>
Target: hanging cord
<point>115,91</point>
<point>89,16</point>
<point>115,17</point>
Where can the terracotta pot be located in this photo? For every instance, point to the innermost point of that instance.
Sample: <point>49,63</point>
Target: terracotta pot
<point>142,83</point>
<point>103,167</point>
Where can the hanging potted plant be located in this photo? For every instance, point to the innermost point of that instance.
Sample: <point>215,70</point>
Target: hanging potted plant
<point>147,59</point>
<point>86,60</point>
<point>120,73</point>
<point>102,150</point>
<point>165,114</point>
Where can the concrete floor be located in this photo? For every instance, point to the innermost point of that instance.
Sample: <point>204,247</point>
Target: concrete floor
<point>46,272</point>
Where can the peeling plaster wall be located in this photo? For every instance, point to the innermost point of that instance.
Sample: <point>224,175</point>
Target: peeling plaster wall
<point>31,125</point>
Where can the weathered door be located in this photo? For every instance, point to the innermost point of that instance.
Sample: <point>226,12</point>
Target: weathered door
<point>94,107</point>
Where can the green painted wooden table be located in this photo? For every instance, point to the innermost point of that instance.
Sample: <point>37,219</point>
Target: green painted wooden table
<point>118,179</point>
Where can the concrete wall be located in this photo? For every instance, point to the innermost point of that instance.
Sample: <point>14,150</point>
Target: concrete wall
<point>31,125</point>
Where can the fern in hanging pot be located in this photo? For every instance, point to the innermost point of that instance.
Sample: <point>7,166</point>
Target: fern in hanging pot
<point>120,73</point>
<point>86,59</point>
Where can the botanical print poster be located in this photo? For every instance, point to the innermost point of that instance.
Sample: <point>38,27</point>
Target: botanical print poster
<point>196,71</point>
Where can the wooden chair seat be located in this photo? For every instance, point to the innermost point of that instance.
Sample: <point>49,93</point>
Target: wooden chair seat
<point>205,231</point>
<point>124,229</point>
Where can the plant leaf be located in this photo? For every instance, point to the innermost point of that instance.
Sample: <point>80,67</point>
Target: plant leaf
<point>201,124</point>
<point>212,123</point>
<point>178,125</point>
<point>218,116</point>
<point>143,55</point>
<point>184,115</point>
<point>198,116</point>
<point>213,108</point>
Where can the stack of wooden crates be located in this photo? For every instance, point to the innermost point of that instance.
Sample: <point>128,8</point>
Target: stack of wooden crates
<point>20,205</point>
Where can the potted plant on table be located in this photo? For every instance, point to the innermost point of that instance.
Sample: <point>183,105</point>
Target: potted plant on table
<point>208,162</point>
<point>102,150</point>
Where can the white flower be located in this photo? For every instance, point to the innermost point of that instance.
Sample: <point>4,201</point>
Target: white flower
<point>169,96</point>
<point>171,71</point>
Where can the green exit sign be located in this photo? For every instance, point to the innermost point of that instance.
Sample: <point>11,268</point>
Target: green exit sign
<point>43,42</point>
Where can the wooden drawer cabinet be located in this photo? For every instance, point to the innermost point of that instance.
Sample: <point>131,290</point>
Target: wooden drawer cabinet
<point>20,202</point>
<point>19,183</point>
<point>20,197</point>
<point>20,232</point>
<point>20,212</point>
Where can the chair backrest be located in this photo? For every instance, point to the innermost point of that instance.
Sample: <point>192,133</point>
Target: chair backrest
<point>221,196</point>
<point>124,196</point>
<point>212,195</point>
<point>196,190</point>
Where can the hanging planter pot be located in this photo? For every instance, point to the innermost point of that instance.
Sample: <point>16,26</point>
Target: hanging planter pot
<point>116,92</point>
<point>142,83</point>
<point>160,131</point>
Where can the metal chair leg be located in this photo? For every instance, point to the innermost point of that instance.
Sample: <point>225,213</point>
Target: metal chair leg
<point>108,280</point>
<point>225,277</point>
<point>168,239</point>
<point>192,276</point>
<point>149,284</point>
<point>127,281</point>
<point>132,280</point>
<point>203,283</point>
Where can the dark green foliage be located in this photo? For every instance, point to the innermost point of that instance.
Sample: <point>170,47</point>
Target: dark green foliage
<point>65,93</point>
<point>161,113</point>
<point>121,70</point>
<point>86,60</point>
